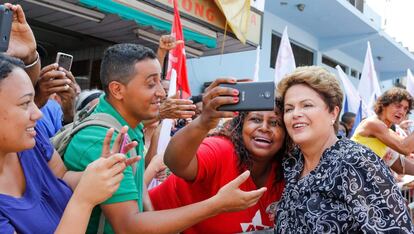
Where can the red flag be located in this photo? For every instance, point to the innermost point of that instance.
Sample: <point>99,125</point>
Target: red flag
<point>177,60</point>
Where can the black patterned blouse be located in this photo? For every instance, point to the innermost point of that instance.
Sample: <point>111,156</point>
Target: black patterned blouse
<point>351,190</point>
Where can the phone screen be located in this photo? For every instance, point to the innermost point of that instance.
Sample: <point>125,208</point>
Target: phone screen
<point>124,142</point>
<point>64,60</point>
<point>6,18</point>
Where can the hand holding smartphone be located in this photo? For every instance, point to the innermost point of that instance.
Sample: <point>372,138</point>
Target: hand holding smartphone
<point>253,96</point>
<point>6,18</point>
<point>64,60</point>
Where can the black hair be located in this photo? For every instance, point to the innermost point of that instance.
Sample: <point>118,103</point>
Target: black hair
<point>233,130</point>
<point>7,64</point>
<point>345,134</point>
<point>347,117</point>
<point>118,62</point>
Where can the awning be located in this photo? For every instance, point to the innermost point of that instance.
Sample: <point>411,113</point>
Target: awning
<point>128,13</point>
<point>70,25</point>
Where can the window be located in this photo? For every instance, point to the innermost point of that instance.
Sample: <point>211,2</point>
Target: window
<point>80,68</point>
<point>398,82</point>
<point>358,4</point>
<point>95,80</point>
<point>354,73</point>
<point>332,63</point>
<point>303,57</point>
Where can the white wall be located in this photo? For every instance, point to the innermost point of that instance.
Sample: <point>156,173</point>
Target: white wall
<point>241,65</point>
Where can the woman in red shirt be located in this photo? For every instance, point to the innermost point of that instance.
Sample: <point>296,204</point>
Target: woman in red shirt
<point>253,141</point>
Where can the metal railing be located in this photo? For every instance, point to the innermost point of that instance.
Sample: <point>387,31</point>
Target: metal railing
<point>408,194</point>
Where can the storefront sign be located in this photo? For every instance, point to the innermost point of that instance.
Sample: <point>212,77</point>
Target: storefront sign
<point>208,12</point>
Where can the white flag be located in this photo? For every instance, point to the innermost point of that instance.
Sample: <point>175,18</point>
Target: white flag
<point>173,83</point>
<point>165,136</point>
<point>167,124</point>
<point>351,94</point>
<point>368,87</point>
<point>256,66</point>
<point>285,61</point>
<point>410,82</point>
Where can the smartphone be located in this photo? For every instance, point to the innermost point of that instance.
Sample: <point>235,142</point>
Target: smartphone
<point>6,18</point>
<point>253,96</point>
<point>64,60</point>
<point>124,142</point>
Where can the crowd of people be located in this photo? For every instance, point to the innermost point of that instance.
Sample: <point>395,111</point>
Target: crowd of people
<point>75,161</point>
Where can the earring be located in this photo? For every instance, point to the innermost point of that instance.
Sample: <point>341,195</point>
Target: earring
<point>333,122</point>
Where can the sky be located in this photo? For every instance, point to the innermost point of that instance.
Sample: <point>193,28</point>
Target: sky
<point>397,19</point>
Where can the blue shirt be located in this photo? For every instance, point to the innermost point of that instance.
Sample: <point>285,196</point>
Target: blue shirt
<point>51,122</point>
<point>41,207</point>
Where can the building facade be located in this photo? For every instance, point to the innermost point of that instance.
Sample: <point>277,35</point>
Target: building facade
<point>324,33</point>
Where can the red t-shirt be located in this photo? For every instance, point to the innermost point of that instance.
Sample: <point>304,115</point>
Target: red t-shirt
<point>217,165</point>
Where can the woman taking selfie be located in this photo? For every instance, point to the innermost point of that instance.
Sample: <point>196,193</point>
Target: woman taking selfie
<point>253,141</point>
<point>332,186</point>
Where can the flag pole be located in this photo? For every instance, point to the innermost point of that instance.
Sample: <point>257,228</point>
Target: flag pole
<point>224,41</point>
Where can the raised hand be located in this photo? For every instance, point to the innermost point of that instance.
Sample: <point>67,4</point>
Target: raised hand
<point>214,97</point>
<point>103,176</point>
<point>101,179</point>
<point>51,81</point>
<point>22,41</point>
<point>118,145</point>
<point>68,96</point>
<point>176,108</point>
<point>231,198</point>
<point>168,42</point>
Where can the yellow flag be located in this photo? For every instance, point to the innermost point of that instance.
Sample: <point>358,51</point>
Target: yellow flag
<point>237,13</point>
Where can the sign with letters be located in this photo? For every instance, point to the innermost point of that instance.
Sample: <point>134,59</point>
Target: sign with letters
<point>208,12</point>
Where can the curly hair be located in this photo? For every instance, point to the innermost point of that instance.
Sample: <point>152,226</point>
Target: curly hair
<point>393,95</point>
<point>321,81</point>
<point>233,130</point>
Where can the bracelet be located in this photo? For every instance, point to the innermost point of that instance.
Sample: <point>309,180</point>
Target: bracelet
<point>34,63</point>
